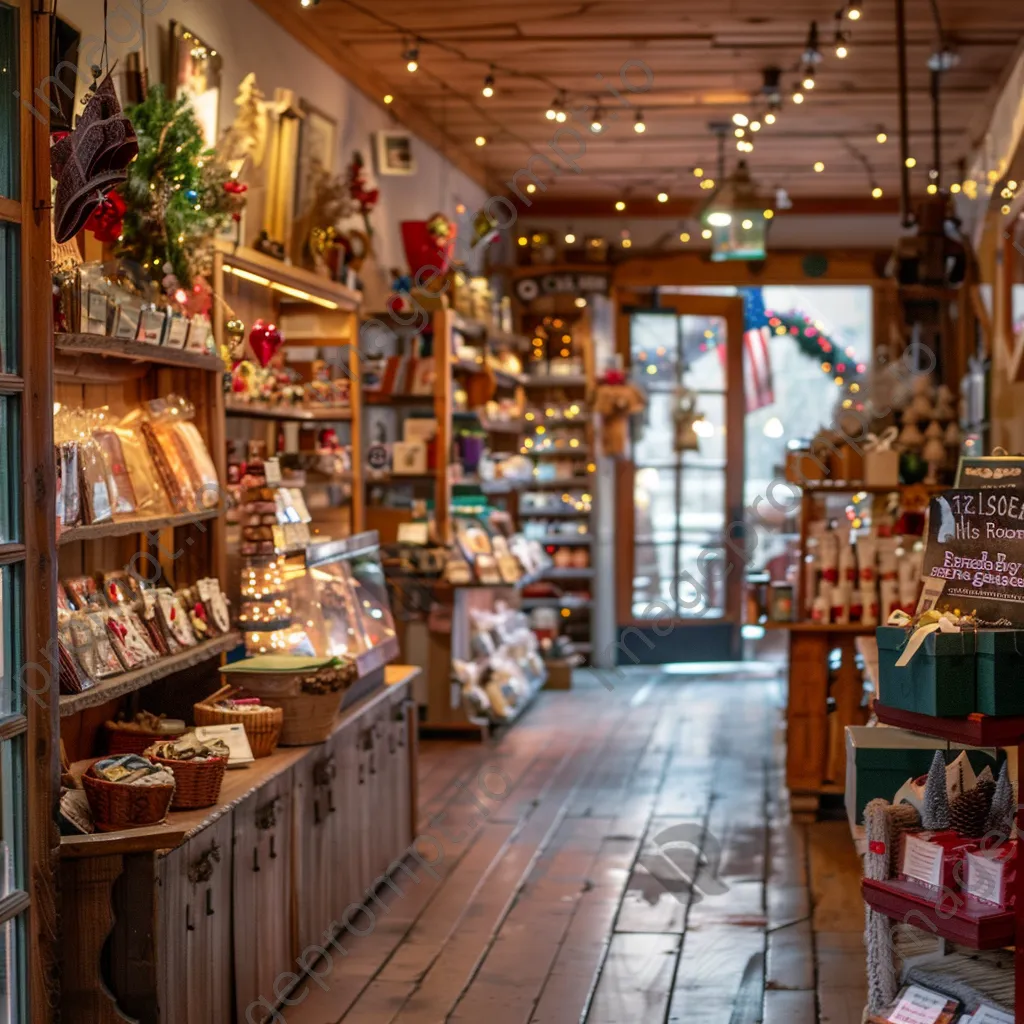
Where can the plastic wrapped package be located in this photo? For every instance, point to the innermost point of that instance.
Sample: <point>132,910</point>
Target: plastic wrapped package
<point>71,493</point>
<point>122,492</point>
<point>183,450</point>
<point>96,498</point>
<point>149,494</point>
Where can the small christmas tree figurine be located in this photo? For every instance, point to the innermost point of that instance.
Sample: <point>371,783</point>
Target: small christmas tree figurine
<point>1000,815</point>
<point>935,814</point>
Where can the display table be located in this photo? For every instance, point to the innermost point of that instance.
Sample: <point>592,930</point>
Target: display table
<point>816,713</point>
<point>204,911</point>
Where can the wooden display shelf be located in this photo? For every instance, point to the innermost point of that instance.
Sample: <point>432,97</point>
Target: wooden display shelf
<point>975,924</point>
<point>847,487</point>
<point>580,451</point>
<point>575,380</point>
<point>975,730</point>
<point>553,513</point>
<point>556,573</point>
<point>502,427</point>
<point>117,686</point>
<point>134,351</point>
<point>127,527</point>
<point>819,627</point>
<point>256,412</point>
<point>238,784</point>
<point>566,540</point>
<point>290,282</point>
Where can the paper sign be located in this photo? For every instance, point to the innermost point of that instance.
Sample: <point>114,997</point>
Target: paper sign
<point>976,546</point>
<point>985,878</point>
<point>990,471</point>
<point>918,1006</point>
<point>922,861</point>
<point>990,1015</point>
<point>239,751</point>
<point>272,469</point>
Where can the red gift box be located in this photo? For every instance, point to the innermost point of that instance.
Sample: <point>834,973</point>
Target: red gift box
<point>992,874</point>
<point>935,859</point>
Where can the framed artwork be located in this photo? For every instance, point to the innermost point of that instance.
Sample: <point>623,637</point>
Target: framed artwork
<point>194,70</point>
<point>394,153</point>
<point>318,139</point>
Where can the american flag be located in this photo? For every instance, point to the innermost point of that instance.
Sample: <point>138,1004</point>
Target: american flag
<point>757,363</point>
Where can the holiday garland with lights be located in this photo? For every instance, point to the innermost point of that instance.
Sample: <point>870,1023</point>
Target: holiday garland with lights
<point>177,196</point>
<point>842,364</point>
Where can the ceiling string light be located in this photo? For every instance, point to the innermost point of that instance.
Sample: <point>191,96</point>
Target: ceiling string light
<point>639,125</point>
<point>411,56</point>
<point>854,10</point>
<point>488,90</point>
<point>842,49</point>
<point>597,121</point>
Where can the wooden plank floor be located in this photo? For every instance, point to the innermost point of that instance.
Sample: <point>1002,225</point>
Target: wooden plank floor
<point>622,857</point>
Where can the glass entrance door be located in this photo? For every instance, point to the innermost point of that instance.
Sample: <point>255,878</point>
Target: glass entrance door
<point>687,472</point>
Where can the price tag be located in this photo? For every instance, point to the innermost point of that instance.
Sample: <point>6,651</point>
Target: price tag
<point>922,861</point>
<point>918,1006</point>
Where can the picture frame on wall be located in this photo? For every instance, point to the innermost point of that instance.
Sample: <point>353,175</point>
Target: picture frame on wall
<point>394,155</point>
<point>194,70</point>
<point>318,140</point>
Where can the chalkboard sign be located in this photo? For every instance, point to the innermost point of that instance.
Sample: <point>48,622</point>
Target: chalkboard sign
<point>990,471</point>
<point>976,550</point>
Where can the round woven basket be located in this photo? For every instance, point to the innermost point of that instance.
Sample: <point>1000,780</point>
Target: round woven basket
<point>128,738</point>
<point>263,728</point>
<point>116,806</point>
<point>196,783</point>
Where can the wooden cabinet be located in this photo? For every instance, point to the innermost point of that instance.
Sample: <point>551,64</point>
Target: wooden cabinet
<point>193,896</point>
<point>201,933</point>
<point>262,874</point>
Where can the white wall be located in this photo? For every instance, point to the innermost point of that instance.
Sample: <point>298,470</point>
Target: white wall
<point>250,40</point>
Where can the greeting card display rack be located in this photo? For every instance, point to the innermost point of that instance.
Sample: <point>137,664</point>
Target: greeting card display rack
<point>974,925</point>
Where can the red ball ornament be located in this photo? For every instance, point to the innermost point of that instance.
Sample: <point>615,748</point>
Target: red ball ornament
<point>264,340</point>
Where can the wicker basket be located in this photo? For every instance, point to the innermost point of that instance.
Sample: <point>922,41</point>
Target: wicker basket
<point>196,783</point>
<point>129,738</point>
<point>263,728</point>
<point>116,806</point>
<point>309,694</point>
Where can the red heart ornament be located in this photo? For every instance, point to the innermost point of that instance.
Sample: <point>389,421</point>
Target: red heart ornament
<point>264,340</point>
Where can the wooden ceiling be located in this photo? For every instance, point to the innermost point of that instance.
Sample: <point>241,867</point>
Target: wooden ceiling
<point>705,59</point>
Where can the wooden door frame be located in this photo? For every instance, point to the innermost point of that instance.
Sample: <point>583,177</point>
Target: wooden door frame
<point>730,309</point>
<point>38,489</point>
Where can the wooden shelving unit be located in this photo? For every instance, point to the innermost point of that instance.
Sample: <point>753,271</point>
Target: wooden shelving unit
<point>312,312</point>
<point>107,690</point>
<point>962,918</point>
<point>73,347</point>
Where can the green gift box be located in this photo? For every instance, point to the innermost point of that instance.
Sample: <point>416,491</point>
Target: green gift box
<point>880,760</point>
<point>1000,672</point>
<point>939,679</point>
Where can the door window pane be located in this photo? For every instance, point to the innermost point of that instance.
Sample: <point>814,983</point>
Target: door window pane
<point>10,110</point>
<point>10,469</point>
<point>12,816</point>
<point>12,601</point>
<point>10,284</point>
